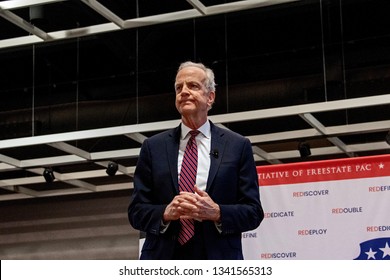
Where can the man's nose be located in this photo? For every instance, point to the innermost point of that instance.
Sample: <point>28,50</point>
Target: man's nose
<point>185,90</point>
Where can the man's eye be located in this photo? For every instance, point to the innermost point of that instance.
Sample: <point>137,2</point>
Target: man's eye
<point>194,86</point>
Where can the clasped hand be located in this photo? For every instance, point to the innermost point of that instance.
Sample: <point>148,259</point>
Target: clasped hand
<point>198,206</point>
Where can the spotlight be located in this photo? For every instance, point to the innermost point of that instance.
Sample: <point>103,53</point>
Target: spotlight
<point>388,138</point>
<point>37,15</point>
<point>48,175</point>
<point>304,149</point>
<point>112,168</point>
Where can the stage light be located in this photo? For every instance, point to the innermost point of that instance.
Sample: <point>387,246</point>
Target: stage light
<point>48,175</point>
<point>37,15</point>
<point>304,149</point>
<point>388,138</point>
<point>112,168</point>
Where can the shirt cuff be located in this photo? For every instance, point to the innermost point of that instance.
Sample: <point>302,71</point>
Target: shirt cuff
<point>164,226</point>
<point>218,225</point>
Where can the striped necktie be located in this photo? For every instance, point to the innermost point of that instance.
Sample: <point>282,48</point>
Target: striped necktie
<point>187,182</point>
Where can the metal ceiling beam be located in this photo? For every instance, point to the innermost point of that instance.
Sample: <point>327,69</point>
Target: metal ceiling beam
<point>352,103</point>
<point>6,167</point>
<point>66,159</point>
<point>71,149</point>
<point>368,127</point>
<point>319,107</point>
<point>23,181</point>
<point>257,151</point>
<point>369,147</point>
<point>65,177</point>
<point>333,150</point>
<point>61,192</point>
<point>275,156</point>
<point>244,5</point>
<point>285,135</point>
<point>83,174</point>
<point>116,154</point>
<point>51,161</point>
<point>18,4</point>
<point>20,41</point>
<point>198,6</point>
<point>14,184</point>
<point>135,132</point>
<point>58,177</point>
<point>87,134</point>
<point>102,10</point>
<point>18,21</point>
<point>160,19</point>
<point>82,184</point>
<point>25,191</point>
<point>341,145</point>
<point>14,196</point>
<point>117,23</point>
<point>10,161</point>
<point>264,155</point>
<point>311,120</point>
<point>138,137</point>
<point>79,157</point>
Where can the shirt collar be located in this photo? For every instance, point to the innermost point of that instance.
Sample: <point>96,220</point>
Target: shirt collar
<point>204,129</point>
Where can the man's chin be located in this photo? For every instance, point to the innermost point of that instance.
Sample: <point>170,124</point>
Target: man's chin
<point>187,110</point>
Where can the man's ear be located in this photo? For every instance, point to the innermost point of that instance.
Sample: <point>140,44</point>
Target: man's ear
<point>211,99</point>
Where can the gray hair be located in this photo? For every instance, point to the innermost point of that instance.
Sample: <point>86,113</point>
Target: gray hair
<point>210,78</point>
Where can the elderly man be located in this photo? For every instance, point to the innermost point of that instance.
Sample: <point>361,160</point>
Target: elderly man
<point>195,186</point>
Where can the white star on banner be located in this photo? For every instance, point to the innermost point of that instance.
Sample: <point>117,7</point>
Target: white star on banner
<point>381,165</point>
<point>385,250</point>
<point>371,254</point>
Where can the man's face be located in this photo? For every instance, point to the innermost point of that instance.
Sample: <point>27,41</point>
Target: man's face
<point>192,97</point>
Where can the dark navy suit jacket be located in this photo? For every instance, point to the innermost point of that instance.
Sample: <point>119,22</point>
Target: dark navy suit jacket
<point>232,184</point>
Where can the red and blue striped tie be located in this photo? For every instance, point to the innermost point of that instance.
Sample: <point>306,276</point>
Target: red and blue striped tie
<point>187,182</point>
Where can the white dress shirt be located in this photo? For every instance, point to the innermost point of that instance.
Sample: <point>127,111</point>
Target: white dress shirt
<point>203,141</point>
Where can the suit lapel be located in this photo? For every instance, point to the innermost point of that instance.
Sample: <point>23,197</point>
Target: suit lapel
<point>218,143</point>
<point>172,149</point>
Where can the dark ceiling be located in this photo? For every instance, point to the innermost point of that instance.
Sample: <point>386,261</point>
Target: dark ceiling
<point>84,82</point>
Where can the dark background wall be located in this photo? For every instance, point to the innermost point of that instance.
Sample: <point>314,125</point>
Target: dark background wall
<point>281,55</point>
<point>299,53</point>
<point>74,227</point>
